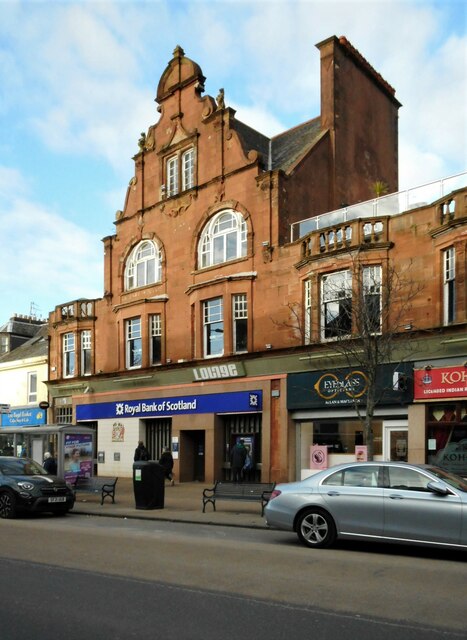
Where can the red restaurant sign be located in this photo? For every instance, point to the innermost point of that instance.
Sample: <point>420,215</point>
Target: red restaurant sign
<point>442,382</point>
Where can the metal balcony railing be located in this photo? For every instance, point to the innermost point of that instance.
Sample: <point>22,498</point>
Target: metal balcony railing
<point>389,205</point>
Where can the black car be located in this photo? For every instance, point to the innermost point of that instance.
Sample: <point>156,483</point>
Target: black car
<point>26,486</point>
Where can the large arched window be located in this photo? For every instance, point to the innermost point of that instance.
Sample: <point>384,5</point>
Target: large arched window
<point>143,266</point>
<point>224,238</point>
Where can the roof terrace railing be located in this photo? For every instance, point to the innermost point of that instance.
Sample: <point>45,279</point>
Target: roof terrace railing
<point>389,205</point>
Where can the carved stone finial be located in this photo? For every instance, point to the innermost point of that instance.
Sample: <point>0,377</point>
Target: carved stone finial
<point>178,52</point>
<point>267,252</point>
<point>150,140</point>
<point>142,141</point>
<point>220,99</point>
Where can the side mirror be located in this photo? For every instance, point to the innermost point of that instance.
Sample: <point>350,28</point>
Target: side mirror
<point>438,487</point>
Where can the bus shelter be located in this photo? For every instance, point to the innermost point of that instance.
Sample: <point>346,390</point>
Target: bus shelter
<point>71,445</point>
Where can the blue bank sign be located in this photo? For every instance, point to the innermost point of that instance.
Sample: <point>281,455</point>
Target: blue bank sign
<point>236,402</point>
<point>23,417</point>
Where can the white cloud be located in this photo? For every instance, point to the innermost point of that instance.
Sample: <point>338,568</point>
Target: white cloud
<point>11,181</point>
<point>47,259</point>
<point>258,118</point>
<point>79,81</point>
<point>418,167</point>
<point>90,60</point>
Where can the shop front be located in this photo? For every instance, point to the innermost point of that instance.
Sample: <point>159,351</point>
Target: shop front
<point>18,418</point>
<point>323,405</point>
<point>443,390</point>
<point>200,430</point>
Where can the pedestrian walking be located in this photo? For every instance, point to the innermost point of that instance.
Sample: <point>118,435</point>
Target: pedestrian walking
<point>166,460</point>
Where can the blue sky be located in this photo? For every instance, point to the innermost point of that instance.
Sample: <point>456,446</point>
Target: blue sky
<point>78,86</point>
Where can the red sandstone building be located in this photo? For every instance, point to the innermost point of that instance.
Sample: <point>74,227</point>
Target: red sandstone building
<point>218,306</point>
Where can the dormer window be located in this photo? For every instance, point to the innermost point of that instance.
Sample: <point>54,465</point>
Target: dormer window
<point>144,265</point>
<point>180,170</point>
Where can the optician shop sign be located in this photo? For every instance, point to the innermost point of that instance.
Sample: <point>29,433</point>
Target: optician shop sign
<point>23,417</point>
<point>344,387</point>
<point>440,383</point>
<point>235,402</point>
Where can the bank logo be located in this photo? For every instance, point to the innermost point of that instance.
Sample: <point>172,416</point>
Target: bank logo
<point>119,409</point>
<point>254,400</point>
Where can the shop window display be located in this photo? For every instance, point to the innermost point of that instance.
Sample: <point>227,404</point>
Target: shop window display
<point>447,436</point>
<point>340,437</point>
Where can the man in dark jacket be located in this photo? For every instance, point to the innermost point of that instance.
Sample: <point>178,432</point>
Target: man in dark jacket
<point>50,464</point>
<point>166,460</point>
<point>237,460</point>
<point>141,453</point>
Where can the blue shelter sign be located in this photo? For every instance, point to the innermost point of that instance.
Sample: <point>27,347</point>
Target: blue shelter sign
<point>24,417</point>
<point>236,402</point>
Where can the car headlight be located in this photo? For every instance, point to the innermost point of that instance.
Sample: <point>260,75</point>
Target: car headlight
<point>27,486</point>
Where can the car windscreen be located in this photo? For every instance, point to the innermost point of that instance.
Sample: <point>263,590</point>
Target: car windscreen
<point>451,478</point>
<point>21,467</point>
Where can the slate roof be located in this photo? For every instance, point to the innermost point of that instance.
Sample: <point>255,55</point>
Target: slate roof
<point>283,150</point>
<point>34,347</point>
<point>20,327</point>
<point>292,144</point>
<point>252,139</point>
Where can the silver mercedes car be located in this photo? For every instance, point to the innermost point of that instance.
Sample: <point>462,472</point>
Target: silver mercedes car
<point>377,501</point>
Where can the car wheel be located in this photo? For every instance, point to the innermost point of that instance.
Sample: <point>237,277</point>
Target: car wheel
<point>316,528</point>
<point>7,504</point>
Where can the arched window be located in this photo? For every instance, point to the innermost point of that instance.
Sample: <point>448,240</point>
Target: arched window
<point>143,266</point>
<point>224,238</point>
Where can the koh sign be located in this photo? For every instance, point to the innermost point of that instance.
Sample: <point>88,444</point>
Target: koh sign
<point>218,371</point>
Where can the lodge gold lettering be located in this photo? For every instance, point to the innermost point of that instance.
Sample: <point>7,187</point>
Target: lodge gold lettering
<point>214,372</point>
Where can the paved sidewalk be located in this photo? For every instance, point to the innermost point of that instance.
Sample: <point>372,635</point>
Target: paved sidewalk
<point>182,503</point>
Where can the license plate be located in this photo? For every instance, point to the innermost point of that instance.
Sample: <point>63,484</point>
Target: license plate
<point>58,499</point>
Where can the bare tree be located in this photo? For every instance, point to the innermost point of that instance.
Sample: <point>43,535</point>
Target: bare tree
<point>364,316</point>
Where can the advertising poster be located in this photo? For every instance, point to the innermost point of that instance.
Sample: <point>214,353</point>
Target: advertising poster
<point>77,456</point>
<point>175,447</point>
<point>318,457</point>
<point>361,453</point>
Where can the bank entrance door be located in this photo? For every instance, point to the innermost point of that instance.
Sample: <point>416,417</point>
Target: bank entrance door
<point>192,445</point>
<point>396,440</point>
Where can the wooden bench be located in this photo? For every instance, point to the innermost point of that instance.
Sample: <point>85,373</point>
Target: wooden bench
<point>104,486</point>
<point>246,491</point>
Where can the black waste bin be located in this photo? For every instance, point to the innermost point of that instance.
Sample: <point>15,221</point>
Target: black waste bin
<point>149,485</point>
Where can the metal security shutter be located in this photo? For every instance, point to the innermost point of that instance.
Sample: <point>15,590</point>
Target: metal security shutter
<point>158,436</point>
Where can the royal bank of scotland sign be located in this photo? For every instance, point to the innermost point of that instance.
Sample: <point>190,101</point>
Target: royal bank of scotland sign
<point>235,402</point>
